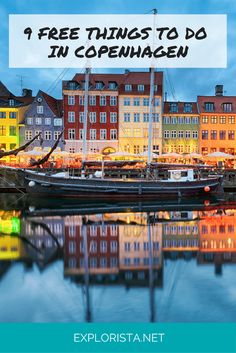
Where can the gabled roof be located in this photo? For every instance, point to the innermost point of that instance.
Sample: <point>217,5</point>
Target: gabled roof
<point>4,92</point>
<point>167,106</point>
<point>54,104</point>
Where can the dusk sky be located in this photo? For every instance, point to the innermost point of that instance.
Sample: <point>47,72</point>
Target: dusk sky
<point>181,84</point>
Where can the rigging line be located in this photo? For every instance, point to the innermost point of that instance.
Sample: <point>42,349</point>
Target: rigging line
<point>171,86</point>
<point>58,80</point>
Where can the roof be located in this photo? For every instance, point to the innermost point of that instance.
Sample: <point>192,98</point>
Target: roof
<point>218,101</point>
<point>54,104</point>
<point>4,92</point>
<point>181,110</point>
<point>134,78</point>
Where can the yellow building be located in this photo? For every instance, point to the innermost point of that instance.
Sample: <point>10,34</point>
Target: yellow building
<point>134,95</point>
<point>12,110</point>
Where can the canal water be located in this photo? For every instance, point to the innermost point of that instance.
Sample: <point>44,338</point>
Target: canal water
<point>117,262</point>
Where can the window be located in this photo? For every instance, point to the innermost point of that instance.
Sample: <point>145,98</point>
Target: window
<point>56,135</point>
<point>113,134</point>
<point>103,246</point>
<point>112,85</point>
<point>187,134</point>
<point>12,130</point>
<point>222,120</point>
<point>114,246</point>
<point>71,134</point>
<point>209,107</point>
<point>213,135</point>
<point>145,148</point>
<point>11,102</point>
<point>155,88</point>
<point>155,118</point>
<point>47,121</point>
<point>103,117</point>
<point>12,115</point>
<point>136,117</point>
<point>204,134</point>
<point>102,101</point>
<point>92,117</point>
<point>12,146</point>
<point>103,134</point>
<point>166,134</point>
<point>187,120</point>
<point>136,149</point>
<point>173,134</point>
<point>92,100</point>
<point>180,120</point>
<point>231,134</point>
<point>188,107</point>
<point>128,88</point>
<point>71,100</point>
<point>81,100</point>
<point>231,119</point>
<point>28,135</point>
<point>48,135</point>
<point>195,134</point>
<point>156,102</point>
<point>38,121</point>
<point>146,102</point>
<point>137,132</point>
<point>173,120</point>
<point>126,117</point>
<point>113,118</point>
<point>140,88</point>
<point>126,101</point>
<point>57,122</point>
<point>71,117</point>
<point>93,134</point>
<point>81,117</point>
<point>72,85</point>
<point>29,121</point>
<point>113,101</point>
<point>173,107</point>
<point>136,101</point>
<point>195,120</point>
<point>2,115</point>
<point>166,120</point>
<point>72,150</point>
<point>180,134</point>
<point>36,133</point>
<point>99,85</point>
<point>127,133</point>
<point>227,107</point>
<point>145,117</point>
<point>2,130</point>
<point>205,119</point>
<point>222,134</point>
<point>72,247</point>
<point>180,148</point>
<point>214,119</point>
<point>39,109</point>
<point>81,134</point>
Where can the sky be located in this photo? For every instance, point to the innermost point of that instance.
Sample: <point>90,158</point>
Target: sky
<point>180,84</point>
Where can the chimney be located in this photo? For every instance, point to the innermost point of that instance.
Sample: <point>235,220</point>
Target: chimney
<point>165,99</point>
<point>219,90</point>
<point>26,92</point>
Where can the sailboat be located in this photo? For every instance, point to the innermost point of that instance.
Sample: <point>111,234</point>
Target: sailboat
<point>179,183</point>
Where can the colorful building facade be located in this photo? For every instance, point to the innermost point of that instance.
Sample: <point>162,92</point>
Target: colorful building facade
<point>12,110</point>
<point>217,122</point>
<point>134,92</point>
<point>102,119</point>
<point>180,128</point>
<point>44,115</point>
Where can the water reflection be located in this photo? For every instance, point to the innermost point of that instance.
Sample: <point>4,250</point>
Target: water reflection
<point>133,257</point>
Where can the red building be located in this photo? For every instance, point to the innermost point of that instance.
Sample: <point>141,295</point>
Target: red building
<point>102,120</point>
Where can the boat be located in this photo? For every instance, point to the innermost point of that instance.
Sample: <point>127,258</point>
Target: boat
<point>179,183</point>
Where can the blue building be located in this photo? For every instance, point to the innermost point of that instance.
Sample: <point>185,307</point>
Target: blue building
<point>44,115</point>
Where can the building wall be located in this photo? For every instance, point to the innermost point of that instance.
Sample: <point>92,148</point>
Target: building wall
<point>28,131</point>
<point>98,144</point>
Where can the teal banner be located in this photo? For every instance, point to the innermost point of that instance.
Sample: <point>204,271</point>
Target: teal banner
<point>118,338</point>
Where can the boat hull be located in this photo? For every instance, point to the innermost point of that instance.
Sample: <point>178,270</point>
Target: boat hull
<point>42,185</point>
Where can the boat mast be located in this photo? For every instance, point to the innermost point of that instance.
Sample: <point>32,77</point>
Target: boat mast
<point>86,91</point>
<point>151,99</point>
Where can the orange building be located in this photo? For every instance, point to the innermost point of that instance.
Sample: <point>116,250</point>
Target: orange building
<point>217,122</point>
